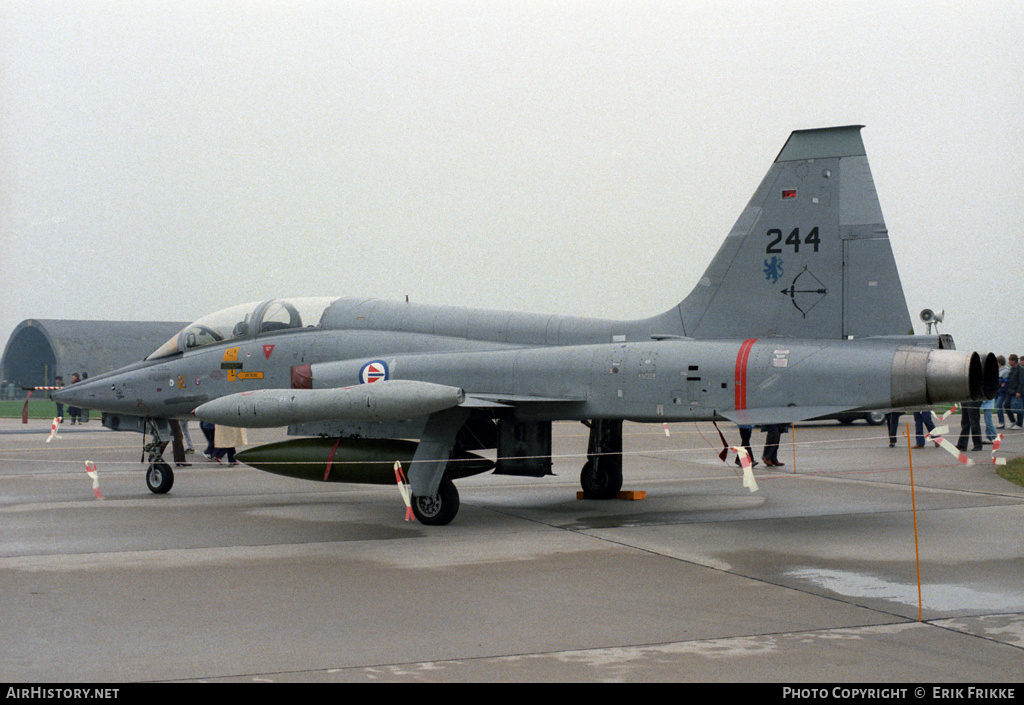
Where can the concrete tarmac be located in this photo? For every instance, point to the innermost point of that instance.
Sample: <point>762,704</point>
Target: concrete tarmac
<point>240,576</point>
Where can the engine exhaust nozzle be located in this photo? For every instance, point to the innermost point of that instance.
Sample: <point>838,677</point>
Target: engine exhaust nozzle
<point>951,375</point>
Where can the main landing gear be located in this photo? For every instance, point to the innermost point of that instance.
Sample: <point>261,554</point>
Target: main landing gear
<point>440,509</point>
<point>601,476</point>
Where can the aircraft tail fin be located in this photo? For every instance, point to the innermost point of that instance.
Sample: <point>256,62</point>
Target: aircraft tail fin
<point>809,257</point>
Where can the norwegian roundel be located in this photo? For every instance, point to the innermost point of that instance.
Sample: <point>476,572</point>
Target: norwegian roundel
<point>376,371</point>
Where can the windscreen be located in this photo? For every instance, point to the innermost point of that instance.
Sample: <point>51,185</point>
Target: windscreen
<point>247,321</point>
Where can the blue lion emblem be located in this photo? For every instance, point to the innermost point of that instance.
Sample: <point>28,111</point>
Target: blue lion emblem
<point>773,269</point>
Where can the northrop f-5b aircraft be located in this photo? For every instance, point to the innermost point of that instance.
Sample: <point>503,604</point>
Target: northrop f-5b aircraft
<point>800,314</point>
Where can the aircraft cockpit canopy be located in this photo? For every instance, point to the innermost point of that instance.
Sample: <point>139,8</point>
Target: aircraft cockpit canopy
<point>250,320</point>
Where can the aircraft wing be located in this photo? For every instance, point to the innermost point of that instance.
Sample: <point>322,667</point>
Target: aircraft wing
<point>504,401</point>
<point>781,414</point>
<point>379,401</point>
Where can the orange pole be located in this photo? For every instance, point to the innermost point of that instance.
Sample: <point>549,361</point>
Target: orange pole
<point>793,431</point>
<point>913,504</point>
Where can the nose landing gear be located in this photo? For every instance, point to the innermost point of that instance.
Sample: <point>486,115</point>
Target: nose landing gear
<point>159,475</point>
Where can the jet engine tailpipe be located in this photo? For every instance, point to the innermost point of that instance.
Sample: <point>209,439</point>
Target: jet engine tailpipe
<point>953,376</point>
<point>933,376</point>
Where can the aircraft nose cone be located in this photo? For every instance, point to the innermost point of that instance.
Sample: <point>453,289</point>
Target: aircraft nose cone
<point>84,394</point>
<point>62,396</point>
<point>68,397</point>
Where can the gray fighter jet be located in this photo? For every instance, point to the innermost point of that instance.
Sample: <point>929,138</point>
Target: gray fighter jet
<point>801,314</point>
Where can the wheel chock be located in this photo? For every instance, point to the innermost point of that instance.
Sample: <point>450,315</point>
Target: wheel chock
<point>623,494</point>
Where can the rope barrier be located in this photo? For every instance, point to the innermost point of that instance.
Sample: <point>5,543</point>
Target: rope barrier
<point>686,451</point>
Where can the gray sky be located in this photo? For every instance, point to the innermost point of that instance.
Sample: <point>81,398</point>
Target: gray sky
<point>163,159</point>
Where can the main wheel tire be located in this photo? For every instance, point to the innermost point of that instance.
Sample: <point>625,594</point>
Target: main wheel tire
<point>599,482</point>
<point>159,478</point>
<point>439,510</point>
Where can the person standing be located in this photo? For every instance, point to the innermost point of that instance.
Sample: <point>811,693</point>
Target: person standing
<point>892,421</point>
<point>74,413</point>
<point>922,420</point>
<point>59,382</point>
<point>207,428</point>
<point>226,439</point>
<point>85,412</point>
<point>986,410</point>
<point>186,436</point>
<point>1004,371</point>
<point>773,433</point>
<point>1015,394</point>
<point>970,425</point>
<point>745,432</point>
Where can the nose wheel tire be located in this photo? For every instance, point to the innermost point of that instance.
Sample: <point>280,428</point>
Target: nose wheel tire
<point>159,478</point>
<point>439,510</point>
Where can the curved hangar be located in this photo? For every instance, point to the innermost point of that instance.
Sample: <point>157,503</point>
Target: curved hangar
<point>39,350</point>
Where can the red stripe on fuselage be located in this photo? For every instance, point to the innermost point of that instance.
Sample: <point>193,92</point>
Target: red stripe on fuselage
<point>741,372</point>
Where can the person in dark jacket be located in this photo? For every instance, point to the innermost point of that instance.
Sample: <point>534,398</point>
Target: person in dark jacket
<point>1004,372</point>
<point>970,425</point>
<point>1015,394</point>
<point>74,413</point>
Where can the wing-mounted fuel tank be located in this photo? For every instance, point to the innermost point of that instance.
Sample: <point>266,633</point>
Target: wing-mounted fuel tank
<point>381,401</point>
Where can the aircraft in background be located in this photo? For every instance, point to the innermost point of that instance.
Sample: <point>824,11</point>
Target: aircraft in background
<point>801,314</point>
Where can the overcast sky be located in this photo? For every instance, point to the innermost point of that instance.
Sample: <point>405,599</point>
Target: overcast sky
<point>164,159</point>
